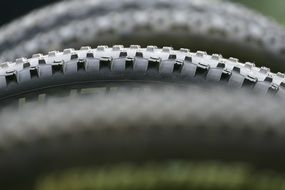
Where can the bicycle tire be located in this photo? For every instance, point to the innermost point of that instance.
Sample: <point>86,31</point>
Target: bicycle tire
<point>227,28</point>
<point>86,67</point>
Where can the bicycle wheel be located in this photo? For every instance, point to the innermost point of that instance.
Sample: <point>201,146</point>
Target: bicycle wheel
<point>62,72</point>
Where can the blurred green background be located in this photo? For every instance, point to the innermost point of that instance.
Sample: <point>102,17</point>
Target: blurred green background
<point>271,8</point>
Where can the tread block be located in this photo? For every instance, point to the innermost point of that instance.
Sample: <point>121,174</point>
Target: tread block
<point>188,69</point>
<point>70,66</point>
<point>117,47</point>
<point>68,51</point>
<point>214,74</point>
<point>236,80</point>
<point>167,49</point>
<point>135,47</point>
<point>234,60</point>
<point>38,55</point>
<point>201,53</point>
<point>140,65</point>
<point>101,48</point>
<point>184,50</point>
<point>85,48</point>
<point>280,75</point>
<point>24,75</point>
<point>53,53</point>
<point>216,56</point>
<point>151,48</point>
<point>166,67</point>
<point>21,60</point>
<point>249,65</point>
<point>261,87</point>
<point>264,70</point>
<point>45,71</point>
<point>92,65</point>
<point>119,65</point>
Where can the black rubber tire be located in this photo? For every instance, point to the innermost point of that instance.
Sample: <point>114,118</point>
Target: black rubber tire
<point>136,127</point>
<point>216,27</point>
<point>103,66</point>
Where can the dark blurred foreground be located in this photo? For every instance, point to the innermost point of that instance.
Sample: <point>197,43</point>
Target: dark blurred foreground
<point>146,139</point>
